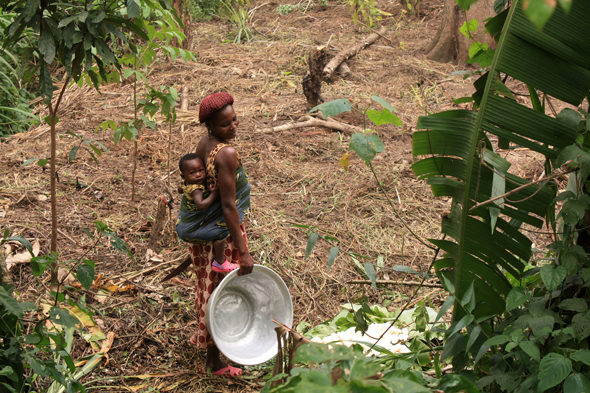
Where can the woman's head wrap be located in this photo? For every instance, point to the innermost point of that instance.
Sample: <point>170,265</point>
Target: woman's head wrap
<point>213,103</point>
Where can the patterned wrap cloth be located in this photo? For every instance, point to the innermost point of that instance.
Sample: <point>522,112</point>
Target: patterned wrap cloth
<point>200,229</point>
<point>207,280</point>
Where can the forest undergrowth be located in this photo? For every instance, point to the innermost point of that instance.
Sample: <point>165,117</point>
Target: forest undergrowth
<point>298,186</point>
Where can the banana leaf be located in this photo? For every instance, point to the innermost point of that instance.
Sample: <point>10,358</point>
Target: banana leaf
<point>458,160</point>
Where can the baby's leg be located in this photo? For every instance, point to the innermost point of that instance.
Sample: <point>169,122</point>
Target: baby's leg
<point>219,250</point>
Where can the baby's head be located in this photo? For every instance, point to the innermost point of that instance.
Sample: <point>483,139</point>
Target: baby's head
<point>192,169</point>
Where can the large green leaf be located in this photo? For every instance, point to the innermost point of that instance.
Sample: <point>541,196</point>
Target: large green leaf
<point>576,383</point>
<point>458,160</point>
<point>553,369</point>
<point>333,108</point>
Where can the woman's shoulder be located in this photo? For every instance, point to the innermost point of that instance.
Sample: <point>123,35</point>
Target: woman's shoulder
<point>227,150</point>
<point>228,155</point>
<point>201,145</point>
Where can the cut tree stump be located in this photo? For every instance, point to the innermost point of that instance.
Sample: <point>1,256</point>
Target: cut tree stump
<point>184,99</point>
<point>312,80</point>
<point>348,53</point>
<point>183,105</point>
<point>159,222</point>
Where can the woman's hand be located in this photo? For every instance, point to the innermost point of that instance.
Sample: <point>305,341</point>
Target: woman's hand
<point>246,264</point>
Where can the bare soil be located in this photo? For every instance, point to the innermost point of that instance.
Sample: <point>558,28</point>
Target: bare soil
<point>295,175</point>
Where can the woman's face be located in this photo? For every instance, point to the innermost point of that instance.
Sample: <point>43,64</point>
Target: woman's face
<point>225,123</point>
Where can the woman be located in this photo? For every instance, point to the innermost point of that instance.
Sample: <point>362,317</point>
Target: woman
<point>225,216</point>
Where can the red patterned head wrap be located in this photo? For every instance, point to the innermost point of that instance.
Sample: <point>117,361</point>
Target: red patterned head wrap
<point>213,103</point>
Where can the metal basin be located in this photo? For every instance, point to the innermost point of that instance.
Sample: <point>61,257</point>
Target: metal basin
<point>240,313</point>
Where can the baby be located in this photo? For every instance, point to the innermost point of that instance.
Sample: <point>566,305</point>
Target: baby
<point>194,174</point>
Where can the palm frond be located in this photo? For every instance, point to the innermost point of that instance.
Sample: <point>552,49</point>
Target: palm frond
<point>459,161</point>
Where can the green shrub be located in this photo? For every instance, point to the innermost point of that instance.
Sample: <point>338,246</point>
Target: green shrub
<point>236,13</point>
<point>204,9</point>
<point>15,114</point>
<point>285,9</point>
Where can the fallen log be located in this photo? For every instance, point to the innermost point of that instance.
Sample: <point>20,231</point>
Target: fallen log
<point>347,53</point>
<point>308,121</point>
<point>343,70</point>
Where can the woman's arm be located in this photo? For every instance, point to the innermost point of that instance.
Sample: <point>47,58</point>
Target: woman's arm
<point>201,203</point>
<point>227,164</point>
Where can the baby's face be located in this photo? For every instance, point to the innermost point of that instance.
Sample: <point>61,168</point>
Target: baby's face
<point>194,172</point>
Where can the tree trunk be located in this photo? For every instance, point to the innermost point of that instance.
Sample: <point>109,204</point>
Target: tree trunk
<point>135,141</point>
<point>53,173</point>
<point>183,12</point>
<point>449,45</point>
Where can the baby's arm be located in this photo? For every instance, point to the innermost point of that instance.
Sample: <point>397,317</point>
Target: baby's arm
<point>201,203</point>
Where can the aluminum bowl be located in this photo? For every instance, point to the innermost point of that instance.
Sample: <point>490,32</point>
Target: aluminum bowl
<point>240,313</point>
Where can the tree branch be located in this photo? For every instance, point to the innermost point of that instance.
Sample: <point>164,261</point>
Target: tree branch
<point>560,171</point>
<point>393,282</point>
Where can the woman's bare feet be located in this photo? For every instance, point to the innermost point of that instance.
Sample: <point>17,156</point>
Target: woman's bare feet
<point>228,371</point>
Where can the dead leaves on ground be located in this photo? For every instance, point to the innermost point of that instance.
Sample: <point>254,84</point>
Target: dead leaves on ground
<point>17,253</point>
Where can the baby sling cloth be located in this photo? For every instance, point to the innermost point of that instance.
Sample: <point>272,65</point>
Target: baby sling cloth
<point>196,226</point>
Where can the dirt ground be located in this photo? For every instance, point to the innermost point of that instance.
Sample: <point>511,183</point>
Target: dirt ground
<point>295,175</point>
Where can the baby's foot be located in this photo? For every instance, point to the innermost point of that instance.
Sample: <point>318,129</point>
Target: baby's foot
<point>224,268</point>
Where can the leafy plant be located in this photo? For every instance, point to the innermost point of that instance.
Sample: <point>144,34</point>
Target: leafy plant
<point>93,147</point>
<point>531,337</point>
<point>285,9</point>
<point>479,52</point>
<point>411,5</point>
<point>76,36</point>
<point>37,343</point>
<point>358,373</point>
<point>148,107</point>
<point>236,13</point>
<point>167,107</point>
<point>366,144</point>
<point>159,37</point>
<point>15,114</point>
<point>470,171</point>
<point>204,9</point>
<point>366,11</point>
